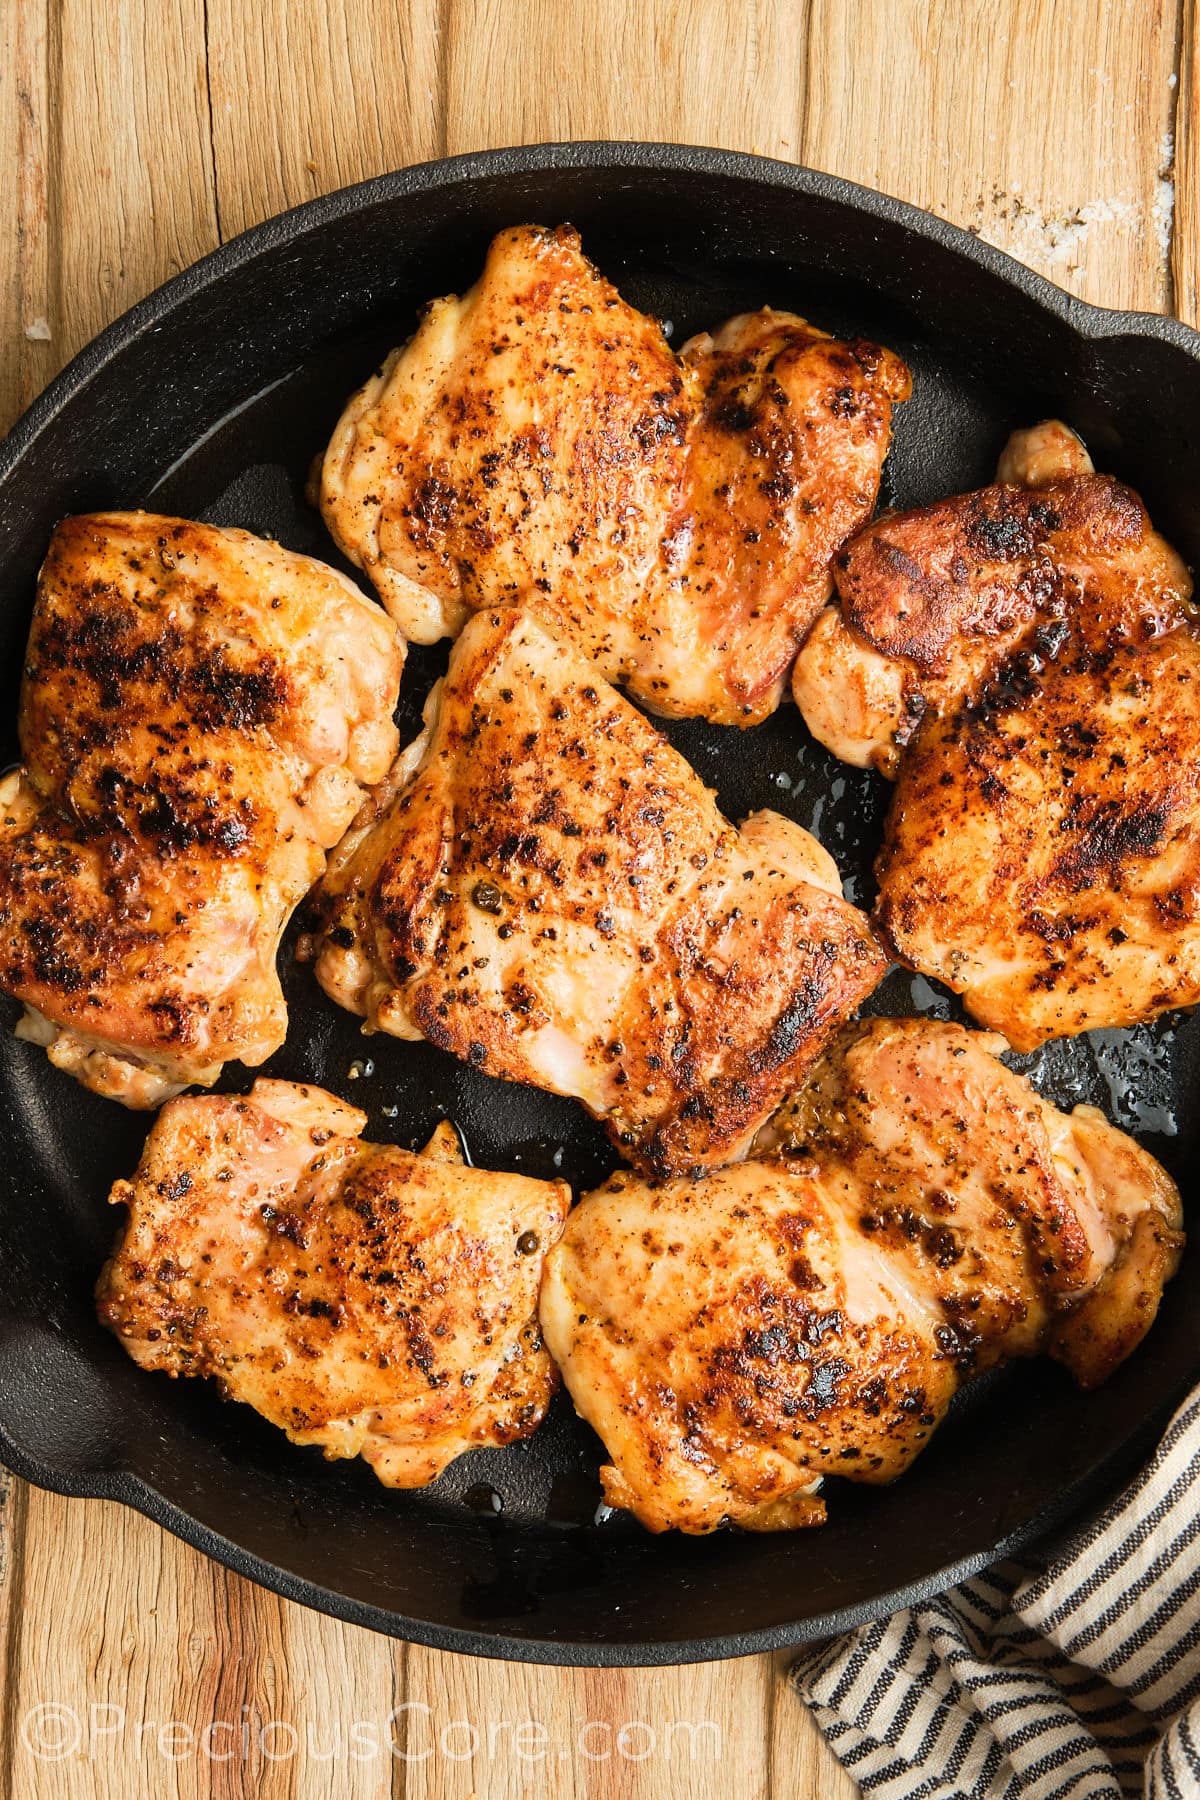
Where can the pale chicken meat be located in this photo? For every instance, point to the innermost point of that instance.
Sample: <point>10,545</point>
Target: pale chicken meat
<point>363,1298</point>
<point>547,890</point>
<point>538,442</point>
<point>911,1218</point>
<point>201,714</point>
<point>1025,660</point>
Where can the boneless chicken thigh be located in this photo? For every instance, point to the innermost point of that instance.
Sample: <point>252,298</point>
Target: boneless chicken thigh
<point>538,442</point>
<point>915,1215</point>
<point>1025,660</point>
<point>365,1299</point>
<point>201,713</point>
<point>547,890</point>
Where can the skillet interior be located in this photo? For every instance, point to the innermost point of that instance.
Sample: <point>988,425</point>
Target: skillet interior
<point>210,400</point>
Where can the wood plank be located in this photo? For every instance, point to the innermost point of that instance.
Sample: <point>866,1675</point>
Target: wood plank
<point>307,97</point>
<point>798,1761</point>
<point>27,354</point>
<point>1046,126</point>
<point>697,71</point>
<point>1185,259</point>
<point>682,1734</point>
<point>174,1676</point>
<point>14,1515</point>
<point>131,195</point>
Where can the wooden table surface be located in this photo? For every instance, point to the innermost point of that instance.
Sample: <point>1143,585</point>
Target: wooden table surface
<point>133,138</point>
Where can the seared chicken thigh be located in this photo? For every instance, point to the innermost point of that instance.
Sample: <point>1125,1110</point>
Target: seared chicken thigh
<point>549,892</point>
<point>929,601</point>
<point>915,1215</point>
<point>539,443</point>
<point>1026,661</point>
<point>200,714</point>
<point>375,1302</point>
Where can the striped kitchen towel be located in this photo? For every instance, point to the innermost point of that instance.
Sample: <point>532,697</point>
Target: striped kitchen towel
<point>1074,1679</point>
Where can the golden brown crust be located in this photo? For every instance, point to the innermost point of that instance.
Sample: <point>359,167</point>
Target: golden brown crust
<point>362,1298</point>
<point>949,591</point>
<point>554,898</point>
<point>914,1215</point>
<point>200,714</point>
<point>1042,852</point>
<point>980,566</point>
<point>706,1331</point>
<point>931,602</point>
<point>1098,1335</point>
<point>539,443</point>
<point>784,461</point>
<point>1026,661</point>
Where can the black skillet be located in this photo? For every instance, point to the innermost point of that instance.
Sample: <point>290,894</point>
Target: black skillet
<point>210,399</point>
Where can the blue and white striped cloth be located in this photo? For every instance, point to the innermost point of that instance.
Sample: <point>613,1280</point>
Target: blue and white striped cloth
<point>1078,1679</point>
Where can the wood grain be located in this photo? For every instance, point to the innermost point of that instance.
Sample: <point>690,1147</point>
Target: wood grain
<point>1185,246</point>
<point>28,356</point>
<point>1046,128</point>
<point>308,96</point>
<point>699,71</point>
<point>132,137</point>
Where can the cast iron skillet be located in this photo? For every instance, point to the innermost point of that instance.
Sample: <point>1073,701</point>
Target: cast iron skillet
<point>210,399</point>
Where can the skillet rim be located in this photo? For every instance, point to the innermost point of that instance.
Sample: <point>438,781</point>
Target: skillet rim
<point>1088,322</point>
<point>1099,1485</point>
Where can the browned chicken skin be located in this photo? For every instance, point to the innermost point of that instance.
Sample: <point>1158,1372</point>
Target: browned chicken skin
<point>1026,661</point>
<point>915,1215</point>
<point>538,442</point>
<point>552,895</point>
<point>200,714</point>
<point>371,1301</point>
